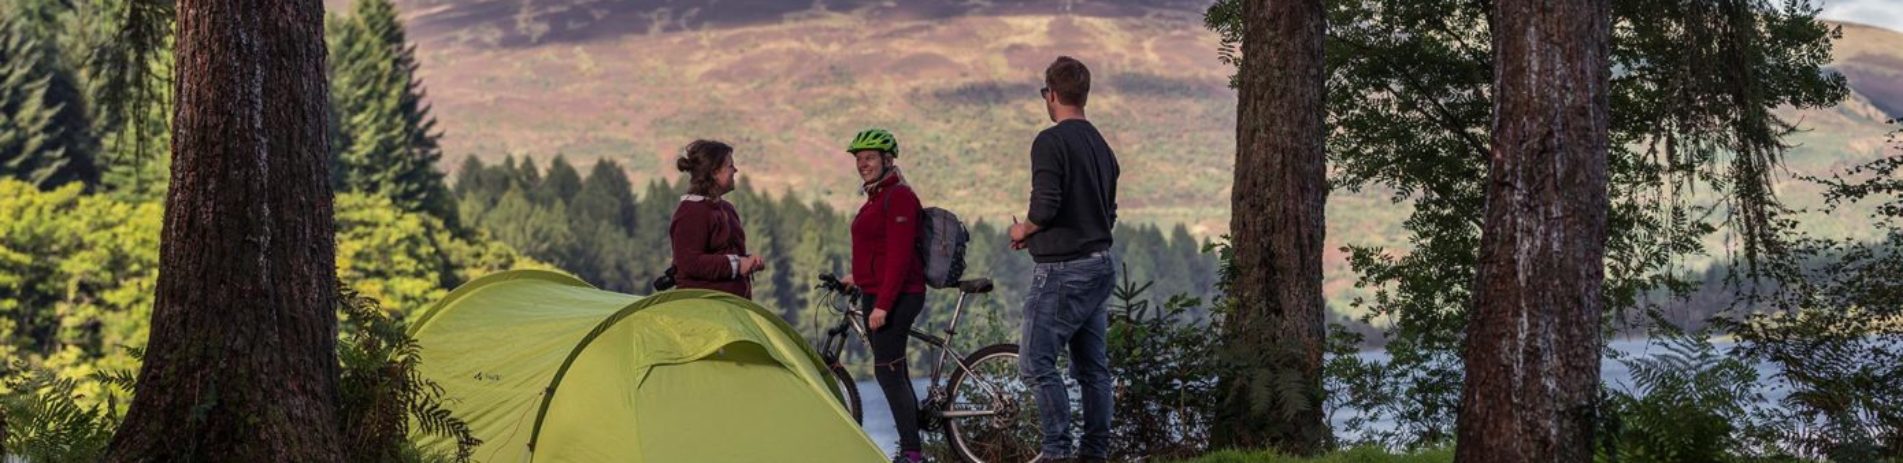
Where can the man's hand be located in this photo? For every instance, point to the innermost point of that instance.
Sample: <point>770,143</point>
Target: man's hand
<point>848,281</point>
<point>877,320</point>
<point>1022,230</point>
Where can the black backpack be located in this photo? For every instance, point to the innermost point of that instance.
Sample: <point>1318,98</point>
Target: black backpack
<point>941,245</point>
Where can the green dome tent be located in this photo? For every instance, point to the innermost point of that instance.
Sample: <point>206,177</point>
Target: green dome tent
<point>546,368</point>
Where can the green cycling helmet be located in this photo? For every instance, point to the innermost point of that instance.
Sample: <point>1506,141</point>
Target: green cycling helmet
<point>874,139</point>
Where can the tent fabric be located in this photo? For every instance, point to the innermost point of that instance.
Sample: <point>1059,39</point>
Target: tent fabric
<point>546,368</point>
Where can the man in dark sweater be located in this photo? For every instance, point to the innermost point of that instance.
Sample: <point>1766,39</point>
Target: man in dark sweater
<point>1073,207</point>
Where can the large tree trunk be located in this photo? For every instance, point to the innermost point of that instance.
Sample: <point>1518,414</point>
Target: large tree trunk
<point>1276,333</point>
<point>1533,341</point>
<point>241,364</point>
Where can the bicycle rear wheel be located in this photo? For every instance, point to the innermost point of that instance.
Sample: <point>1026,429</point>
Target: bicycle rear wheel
<point>1004,428</point>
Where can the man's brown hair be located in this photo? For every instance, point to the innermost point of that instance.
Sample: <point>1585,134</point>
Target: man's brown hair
<point>1069,79</point>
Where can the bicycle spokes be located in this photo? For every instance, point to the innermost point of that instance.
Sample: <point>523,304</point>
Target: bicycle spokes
<point>994,411</point>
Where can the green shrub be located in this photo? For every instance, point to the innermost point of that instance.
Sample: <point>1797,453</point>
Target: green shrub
<point>1688,403</point>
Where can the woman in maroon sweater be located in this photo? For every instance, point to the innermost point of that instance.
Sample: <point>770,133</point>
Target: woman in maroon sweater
<point>886,267</point>
<point>710,248</point>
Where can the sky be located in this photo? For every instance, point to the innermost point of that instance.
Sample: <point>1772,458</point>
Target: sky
<point>1883,13</point>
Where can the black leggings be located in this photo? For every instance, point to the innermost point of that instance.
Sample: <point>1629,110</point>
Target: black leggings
<point>888,357</point>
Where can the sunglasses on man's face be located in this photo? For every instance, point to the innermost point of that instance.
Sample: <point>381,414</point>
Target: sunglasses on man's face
<point>1044,92</point>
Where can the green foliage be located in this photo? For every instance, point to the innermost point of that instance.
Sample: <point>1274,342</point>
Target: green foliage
<point>45,136</point>
<point>534,229</point>
<point>1415,392</point>
<point>1688,402</point>
<point>606,235</point>
<point>125,56</point>
<point>410,259</point>
<point>137,152</point>
<point>594,228</point>
<point>563,182</point>
<point>110,63</point>
<point>386,140</point>
<point>1166,368</point>
<point>77,274</point>
<point>602,232</point>
<point>46,421</point>
<point>392,255</point>
<point>380,392</point>
<point>381,389</point>
<point>1835,330</point>
<point>1410,103</point>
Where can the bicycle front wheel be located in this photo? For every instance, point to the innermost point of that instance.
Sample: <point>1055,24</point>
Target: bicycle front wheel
<point>848,391</point>
<point>992,414</point>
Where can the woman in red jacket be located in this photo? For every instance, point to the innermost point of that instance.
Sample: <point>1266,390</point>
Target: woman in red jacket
<point>887,270</point>
<point>710,248</point>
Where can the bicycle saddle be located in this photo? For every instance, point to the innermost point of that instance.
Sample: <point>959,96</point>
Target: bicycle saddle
<point>975,286</point>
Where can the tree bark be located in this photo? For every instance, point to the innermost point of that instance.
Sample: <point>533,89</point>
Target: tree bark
<point>241,364</point>
<point>1276,332</point>
<point>1532,348</point>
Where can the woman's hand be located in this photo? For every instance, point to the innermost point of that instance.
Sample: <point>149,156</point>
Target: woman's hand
<point>877,320</point>
<point>848,282</point>
<point>751,264</point>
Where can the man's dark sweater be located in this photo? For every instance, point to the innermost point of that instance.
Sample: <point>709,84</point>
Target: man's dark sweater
<point>1073,192</point>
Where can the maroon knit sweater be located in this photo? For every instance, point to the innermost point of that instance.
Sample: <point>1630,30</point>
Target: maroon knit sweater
<point>705,232</point>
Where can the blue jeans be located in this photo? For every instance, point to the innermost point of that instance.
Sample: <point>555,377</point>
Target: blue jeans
<point>1065,309</point>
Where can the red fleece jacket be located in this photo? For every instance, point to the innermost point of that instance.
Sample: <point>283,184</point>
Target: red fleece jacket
<point>884,256</point>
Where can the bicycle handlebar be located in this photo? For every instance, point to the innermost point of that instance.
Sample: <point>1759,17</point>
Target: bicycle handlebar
<point>829,282</point>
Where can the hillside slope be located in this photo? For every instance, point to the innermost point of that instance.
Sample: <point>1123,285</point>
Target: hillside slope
<point>789,82</point>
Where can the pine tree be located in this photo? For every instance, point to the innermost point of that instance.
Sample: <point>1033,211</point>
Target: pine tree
<point>790,217</point>
<point>1695,110</point>
<point>132,114</point>
<point>598,214</point>
<point>45,137</point>
<point>386,139</point>
<point>535,230</point>
<point>607,203</point>
<point>808,260</point>
<point>526,177</point>
<point>468,176</point>
<point>562,182</point>
<point>1538,301</point>
<point>498,179</point>
<point>124,52</point>
<point>759,218</point>
<point>1197,271</point>
<point>477,189</point>
<point>1275,335</point>
<point>242,361</point>
<point>136,156</point>
<point>655,213</point>
<point>608,180</point>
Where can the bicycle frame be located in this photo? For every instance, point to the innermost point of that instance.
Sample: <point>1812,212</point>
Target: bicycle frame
<point>833,350</point>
